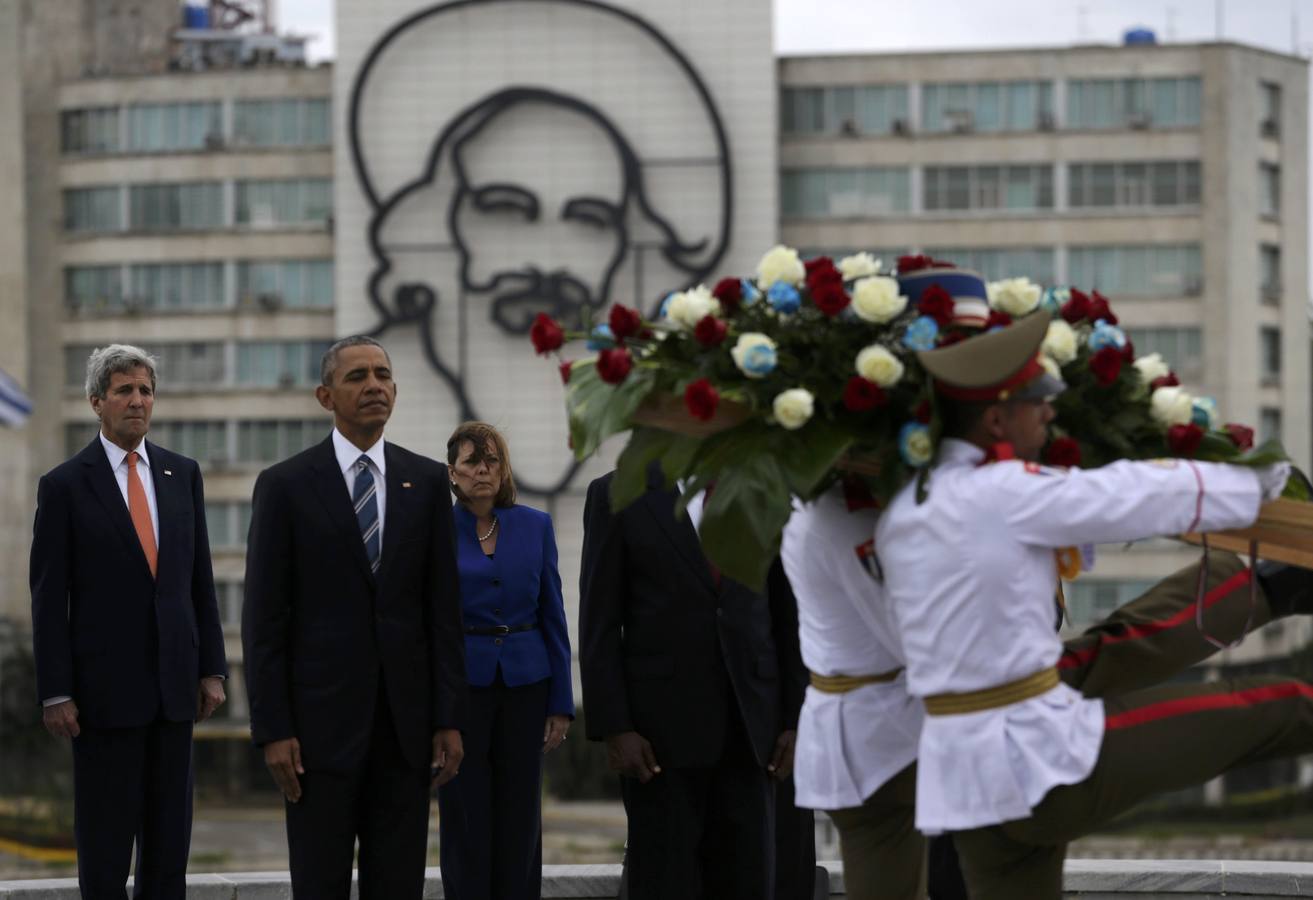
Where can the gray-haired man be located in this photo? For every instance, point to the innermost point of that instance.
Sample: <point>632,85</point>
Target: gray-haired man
<point>125,626</point>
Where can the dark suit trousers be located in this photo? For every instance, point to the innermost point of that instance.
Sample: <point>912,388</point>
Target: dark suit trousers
<point>703,833</point>
<point>795,846</point>
<point>490,815</point>
<point>133,784</point>
<point>385,803</point>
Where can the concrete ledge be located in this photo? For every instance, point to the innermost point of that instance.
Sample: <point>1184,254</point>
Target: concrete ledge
<point>1090,879</point>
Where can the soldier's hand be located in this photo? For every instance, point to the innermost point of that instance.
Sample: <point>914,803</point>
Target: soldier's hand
<point>781,761</point>
<point>61,719</point>
<point>283,759</point>
<point>629,754</point>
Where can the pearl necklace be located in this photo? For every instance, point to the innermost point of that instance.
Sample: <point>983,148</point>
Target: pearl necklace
<point>490,531</point>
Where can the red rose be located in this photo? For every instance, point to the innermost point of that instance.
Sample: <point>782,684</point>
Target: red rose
<point>922,412</point>
<point>624,322</point>
<point>830,297</point>
<point>1106,365</point>
<point>1077,307</point>
<point>819,264</point>
<point>936,303</point>
<point>565,371</point>
<point>1099,309</point>
<point>1184,439</point>
<point>949,338</point>
<point>729,291</point>
<point>701,398</point>
<point>1128,352</point>
<point>710,331</point>
<point>1241,436</point>
<point>1168,380</point>
<point>860,395</point>
<point>546,334</point>
<point>614,365</point>
<point>997,319</point>
<point>1063,451</point>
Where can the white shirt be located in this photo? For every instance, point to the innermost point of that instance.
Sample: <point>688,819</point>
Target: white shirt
<point>348,454</point>
<point>971,573</point>
<point>118,463</point>
<point>848,744</point>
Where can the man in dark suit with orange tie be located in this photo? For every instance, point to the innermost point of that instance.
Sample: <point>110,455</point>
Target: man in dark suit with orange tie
<point>126,633</point>
<point>354,651</point>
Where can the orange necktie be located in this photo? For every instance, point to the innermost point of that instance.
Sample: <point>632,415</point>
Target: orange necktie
<point>140,513</point>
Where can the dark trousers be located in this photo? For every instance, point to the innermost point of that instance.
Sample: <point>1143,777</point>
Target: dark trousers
<point>490,815</point>
<point>703,833</point>
<point>133,784</point>
<point>795,847</point>
<point>384,803</point>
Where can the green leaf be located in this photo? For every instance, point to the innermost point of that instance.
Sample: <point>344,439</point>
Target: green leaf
<point>598,410</point>
<point>807,456</point>
<point>744,519</point>
<point>645,446</point>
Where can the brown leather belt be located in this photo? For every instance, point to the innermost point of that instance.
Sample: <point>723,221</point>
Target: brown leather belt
<point>842,684</point>
<point>1040,682</point>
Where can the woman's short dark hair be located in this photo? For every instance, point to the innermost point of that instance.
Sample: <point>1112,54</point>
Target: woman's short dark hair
<point>486,441</point>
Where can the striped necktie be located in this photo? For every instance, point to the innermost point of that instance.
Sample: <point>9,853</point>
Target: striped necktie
<point>365,499</point>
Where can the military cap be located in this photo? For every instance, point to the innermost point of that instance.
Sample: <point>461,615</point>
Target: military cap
<point>1003,364</point>
<point>967,288</point>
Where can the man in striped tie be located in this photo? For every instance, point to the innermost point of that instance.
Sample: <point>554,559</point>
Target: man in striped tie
<point>353,643</point>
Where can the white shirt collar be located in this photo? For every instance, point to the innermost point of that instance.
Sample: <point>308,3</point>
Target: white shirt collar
<point>955,452</point>
<point>348,454</point>
<point>117,454</point>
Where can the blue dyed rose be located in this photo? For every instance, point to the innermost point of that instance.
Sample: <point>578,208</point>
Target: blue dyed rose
<point>1204,412</point>
<point>784,297</point>
<point>921,334</point>
<point>750,292</point>
<point>601,338</point>
<point>754,354</point>
<point>1053,299</point>
<point>914,444</point>
<point>1105,335</point>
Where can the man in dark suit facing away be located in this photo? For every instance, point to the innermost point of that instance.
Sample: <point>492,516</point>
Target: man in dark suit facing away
<point>126,633</point>
<point>694,682</point>
<point>352,635</point>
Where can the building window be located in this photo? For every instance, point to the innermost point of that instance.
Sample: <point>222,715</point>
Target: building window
<point>176,286</point>
<point>1133,184</point>
<point>296,283</point>
<point>1269,190</point>
<point>90,130</point>
<point>205,442</point>
<point>1269,256</point>
<point>229,596</point>
<point>1269,424</point>
<point>987,106</point>
<point>1090,600</point>
<point>191,206</point>
<point>850,110</point>
<point>228,523</point>
<point>994,263</point>
<point>1269,109</point>
<point>1133,102</point>
<point>1269,354</point>
<point>280,363</point>
<point>91,210</point>
<point>93,288</point>
<point>271,440</point>
<point>285,122</point>
<point>988,187</point>
<point>1146,270</point>
<point>297,201</point>
<point>180,365</point>
<point>1180,348</point>
<point>844,193</point>
<point>173,127</point>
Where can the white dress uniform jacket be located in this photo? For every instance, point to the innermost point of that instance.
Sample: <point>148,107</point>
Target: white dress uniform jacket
<point>971,575</point>
<point>848,744</point>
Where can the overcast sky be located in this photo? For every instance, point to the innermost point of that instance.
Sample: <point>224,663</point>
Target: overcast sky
<point>820,26</point>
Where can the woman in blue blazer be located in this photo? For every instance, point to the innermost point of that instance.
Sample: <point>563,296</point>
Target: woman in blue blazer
<point>517,656</point>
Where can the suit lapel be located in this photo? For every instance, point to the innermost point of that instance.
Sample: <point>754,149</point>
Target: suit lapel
<point>661,504</point>
<point>331,488</point>
<point>396,520</point>
<point>106,489</point>
<point>168,503</point>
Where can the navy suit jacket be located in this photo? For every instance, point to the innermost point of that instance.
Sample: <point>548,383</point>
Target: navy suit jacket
<point>125,646</point>
<point>320,631</point>
<point>519,585</point>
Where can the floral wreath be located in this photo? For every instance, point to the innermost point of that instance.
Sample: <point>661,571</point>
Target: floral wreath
<point>804,375</point>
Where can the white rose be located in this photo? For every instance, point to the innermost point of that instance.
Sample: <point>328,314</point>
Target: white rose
<point>859,265</point>
<point>1050,366</point>
<point>1152,366</point>
<point>876,299</point>
<point>1060,342</point>
<point>877,364</point>
<point>1014,296</point>
<point>1172,406</point>
<point>687,308</point>
<point>781,264</point>
<point>793,407</point>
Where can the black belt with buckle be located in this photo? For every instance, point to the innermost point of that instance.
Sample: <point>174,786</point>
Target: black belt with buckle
<point>499,629</point>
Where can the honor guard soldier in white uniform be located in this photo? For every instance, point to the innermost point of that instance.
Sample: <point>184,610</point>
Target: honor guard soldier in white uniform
<point>1011,759</point>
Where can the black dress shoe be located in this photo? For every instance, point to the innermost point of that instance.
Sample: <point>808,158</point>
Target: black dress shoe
<point>1289,589</point>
